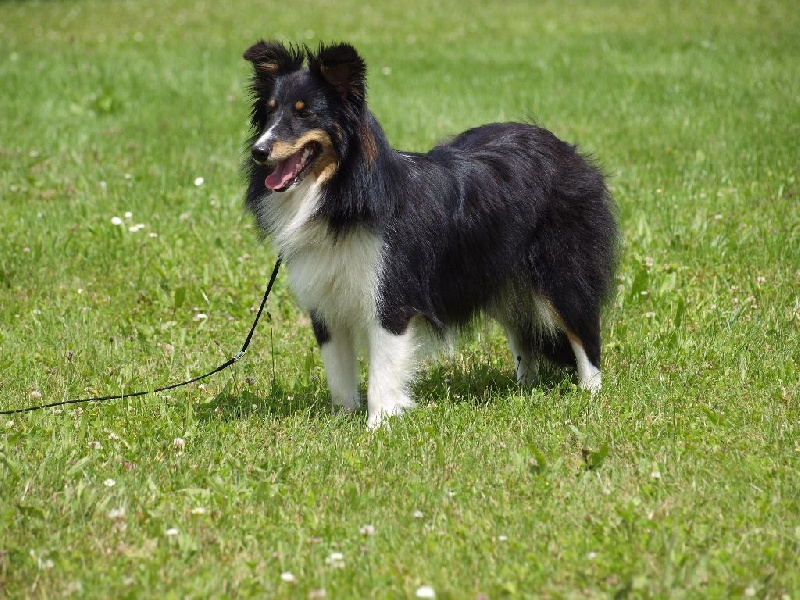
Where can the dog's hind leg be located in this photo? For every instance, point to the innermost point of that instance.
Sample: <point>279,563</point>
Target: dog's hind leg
<point>338,352</point>
<point>582,330</point>
<point>392,362</point>
<point>589,377</point>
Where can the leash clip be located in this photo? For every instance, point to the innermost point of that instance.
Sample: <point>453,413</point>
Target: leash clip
<point>238,355</point>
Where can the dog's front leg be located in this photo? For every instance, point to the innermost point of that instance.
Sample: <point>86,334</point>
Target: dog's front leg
<point>391,369</point>
<point>341,364</point>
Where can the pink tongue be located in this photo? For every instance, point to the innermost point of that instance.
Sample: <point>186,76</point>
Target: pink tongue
<point>284,172</point>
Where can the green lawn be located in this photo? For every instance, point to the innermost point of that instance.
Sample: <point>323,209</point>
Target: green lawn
<point>681,478</point>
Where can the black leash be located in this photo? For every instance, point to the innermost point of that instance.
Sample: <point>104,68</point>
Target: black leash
<point>222,367</point>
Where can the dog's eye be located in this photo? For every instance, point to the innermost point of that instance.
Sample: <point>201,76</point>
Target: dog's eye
<point>301,109</point>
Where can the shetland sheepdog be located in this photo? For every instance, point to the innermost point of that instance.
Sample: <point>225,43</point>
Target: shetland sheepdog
<point>384,247</point>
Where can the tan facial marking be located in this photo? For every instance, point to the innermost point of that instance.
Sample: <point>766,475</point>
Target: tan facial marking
<point>299,105</point>
<point>271,103</point>
<point>283,150</point>
<point>324,166</point>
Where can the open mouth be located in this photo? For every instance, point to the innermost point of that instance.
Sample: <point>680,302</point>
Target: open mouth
<point>291,170</point>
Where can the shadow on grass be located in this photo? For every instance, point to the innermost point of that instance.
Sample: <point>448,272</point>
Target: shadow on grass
<point>482,383</point>
<point>441,381</point>
<point>280,401</point>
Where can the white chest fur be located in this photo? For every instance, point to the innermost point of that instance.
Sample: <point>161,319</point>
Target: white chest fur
<point>336,277</point>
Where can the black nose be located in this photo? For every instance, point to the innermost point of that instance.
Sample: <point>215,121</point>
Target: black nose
<point>261,153</point>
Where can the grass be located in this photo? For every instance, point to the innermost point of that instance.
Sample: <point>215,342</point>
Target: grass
<point>681,478</point>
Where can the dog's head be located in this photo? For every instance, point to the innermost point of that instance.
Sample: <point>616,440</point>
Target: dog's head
<point>303,117</point>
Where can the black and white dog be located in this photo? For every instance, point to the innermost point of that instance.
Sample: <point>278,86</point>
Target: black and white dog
<point>384,246</point>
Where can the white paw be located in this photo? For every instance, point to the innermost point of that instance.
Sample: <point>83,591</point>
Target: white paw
<point>378,415</point>
<point>592,382</point>
<point>348,404</point>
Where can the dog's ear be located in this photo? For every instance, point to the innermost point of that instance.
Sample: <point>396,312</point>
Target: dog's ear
<point>271,59</point>
<point>343,69</point>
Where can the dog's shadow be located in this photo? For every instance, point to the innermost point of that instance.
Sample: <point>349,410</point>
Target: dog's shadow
<point>481,384</point>
<point>478,384</point>
<point>238,400</point>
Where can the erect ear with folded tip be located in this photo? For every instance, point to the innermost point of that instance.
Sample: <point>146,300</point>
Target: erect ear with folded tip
<point>343,69</point>
<point>271,59</point>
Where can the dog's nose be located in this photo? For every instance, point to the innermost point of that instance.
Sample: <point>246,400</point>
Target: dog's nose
<point>261,152</point>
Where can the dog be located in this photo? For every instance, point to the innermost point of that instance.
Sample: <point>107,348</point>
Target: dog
<point>384,247</point>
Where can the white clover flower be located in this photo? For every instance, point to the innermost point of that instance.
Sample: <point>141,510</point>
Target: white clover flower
<point>171,532</point>
<point>116,513</point>
<point>36,395</point>
<point>426,591</point>
<point>367,530</point>
<point>199,181</point>
<point>95,445</point>
<point>116,221</point>
<point>179,444</point>
<point>199,510</point>
<point>200,317</point>
<point>336,560</point>
<point>417,514</point>
<point>288,577</point>
<point>109,482</point>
